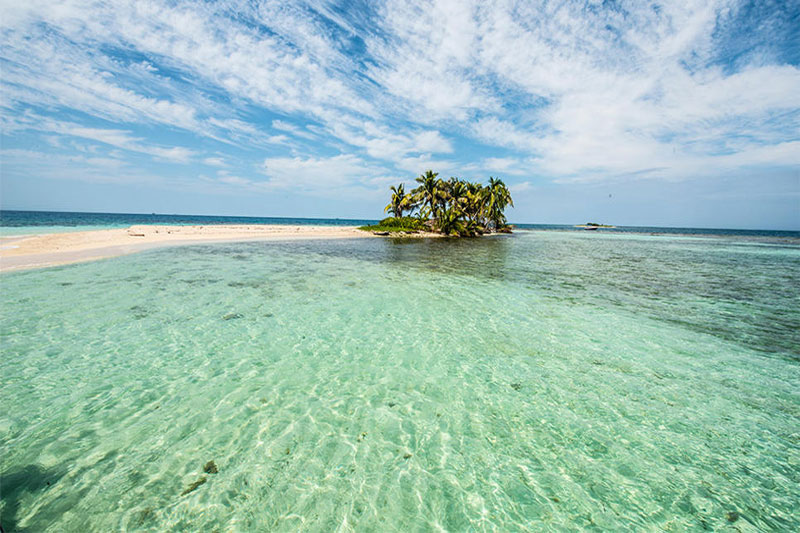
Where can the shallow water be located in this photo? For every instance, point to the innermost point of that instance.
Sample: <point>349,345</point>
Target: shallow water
<point>542,381</point>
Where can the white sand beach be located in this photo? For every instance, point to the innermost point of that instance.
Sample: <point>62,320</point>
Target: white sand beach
<point>39,251</point>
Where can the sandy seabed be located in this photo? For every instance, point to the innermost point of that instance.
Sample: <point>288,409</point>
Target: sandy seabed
<point>39,251</point>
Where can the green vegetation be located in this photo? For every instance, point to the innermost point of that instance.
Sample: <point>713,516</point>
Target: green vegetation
<point>398,224</point>
<point>594,225</point>
<point>400,201</point>
<point>454,207</point>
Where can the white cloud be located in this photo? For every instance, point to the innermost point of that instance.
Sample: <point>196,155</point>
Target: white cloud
<point>504,165</point>
<point>318,174</point>
<point>428,57</point>
<point>504,133</point>
<point>236,126</point>
<point>419,164</point>
<point>521,187</point>
<point>26,163</point>
<point>291,128</point>
<point>123,139</point>
<point>382,142</point>
<point>611,91</point>
<point>236,180</point>
<point>277,139</point>
<point>41,72</point>
<point>214,161</point>
<point>431,141</point>
<point>570,90</point>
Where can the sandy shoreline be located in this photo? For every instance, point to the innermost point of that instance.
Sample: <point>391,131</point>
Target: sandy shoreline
<point>39,251</point>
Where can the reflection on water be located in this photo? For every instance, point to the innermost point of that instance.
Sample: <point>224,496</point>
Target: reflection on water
<point>481,257</point>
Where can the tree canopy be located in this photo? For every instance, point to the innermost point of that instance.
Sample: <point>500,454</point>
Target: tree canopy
<point>454,206</point>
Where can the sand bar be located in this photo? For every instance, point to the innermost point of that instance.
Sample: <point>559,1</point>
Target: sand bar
<point>39,251</point>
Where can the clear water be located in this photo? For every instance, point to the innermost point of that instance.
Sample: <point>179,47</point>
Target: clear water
<point>542,381</point>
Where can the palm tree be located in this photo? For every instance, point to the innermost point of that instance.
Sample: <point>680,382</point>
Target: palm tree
<point>400,201</point>
<point>475,200</point>
<point>497,198</point>
<point>456,207</point>
<point>457,193</point>
<point>426,194</point>
<point>449,221</point>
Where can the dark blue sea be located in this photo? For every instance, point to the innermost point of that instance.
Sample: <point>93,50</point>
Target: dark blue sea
<point>17,222</point>
<point>27,222</point>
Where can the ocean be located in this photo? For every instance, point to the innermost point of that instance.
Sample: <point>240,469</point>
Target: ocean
<point>14,223</point>
<point>552,379</point>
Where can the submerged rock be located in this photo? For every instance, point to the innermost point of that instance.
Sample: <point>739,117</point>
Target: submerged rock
<point>145,515</point>
<point>732,516</point>
<point>252,284</point>
<point>139,312</point>
<point>193,486</point>
<point>516,386</point>
<point>210,468</point>
<point>232,316</point>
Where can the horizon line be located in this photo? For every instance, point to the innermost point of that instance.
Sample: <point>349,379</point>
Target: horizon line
<point>371,219</point>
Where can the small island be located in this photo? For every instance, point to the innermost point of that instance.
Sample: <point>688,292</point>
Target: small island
<point>593,226</point>
<point>454,208</point>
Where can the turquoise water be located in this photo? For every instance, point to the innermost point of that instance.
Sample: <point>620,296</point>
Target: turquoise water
<point>14,223</point>
<point>541,381</point>
<point>15,231</point>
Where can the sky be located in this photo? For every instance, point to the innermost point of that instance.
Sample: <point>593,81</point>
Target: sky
<point>682,113</point>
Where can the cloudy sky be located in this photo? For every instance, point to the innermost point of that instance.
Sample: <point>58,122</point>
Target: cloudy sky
<point>682,113</point>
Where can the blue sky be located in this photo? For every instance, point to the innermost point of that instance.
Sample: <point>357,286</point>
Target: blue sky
<point>683,113</point>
